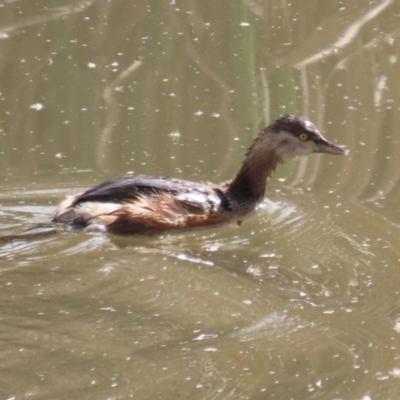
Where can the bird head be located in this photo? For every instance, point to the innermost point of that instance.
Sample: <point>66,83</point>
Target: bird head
<point>292,136</point>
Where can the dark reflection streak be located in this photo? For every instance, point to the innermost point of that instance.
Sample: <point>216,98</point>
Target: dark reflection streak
<point>56,12</point>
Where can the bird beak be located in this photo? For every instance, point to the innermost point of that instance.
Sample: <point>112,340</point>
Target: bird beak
<point>323,146</point>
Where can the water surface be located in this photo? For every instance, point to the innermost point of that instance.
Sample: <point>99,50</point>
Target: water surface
<point>301,301</point>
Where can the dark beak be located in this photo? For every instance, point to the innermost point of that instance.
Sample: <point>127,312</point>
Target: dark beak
<point>323,146</point>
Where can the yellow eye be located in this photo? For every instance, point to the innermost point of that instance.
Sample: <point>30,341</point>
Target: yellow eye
<point>303,137</point>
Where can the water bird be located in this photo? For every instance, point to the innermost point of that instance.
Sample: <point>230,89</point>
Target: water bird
<point>148,205</point>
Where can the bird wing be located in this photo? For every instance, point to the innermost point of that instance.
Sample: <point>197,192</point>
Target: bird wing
<point>193,197</point>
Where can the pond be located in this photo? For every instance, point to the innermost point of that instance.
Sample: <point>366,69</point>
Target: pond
<point>301,301</point>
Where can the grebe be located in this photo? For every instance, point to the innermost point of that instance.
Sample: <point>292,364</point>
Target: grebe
<point>145,204</point>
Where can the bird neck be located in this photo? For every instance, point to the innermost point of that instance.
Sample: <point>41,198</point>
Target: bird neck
<point>247,189</point>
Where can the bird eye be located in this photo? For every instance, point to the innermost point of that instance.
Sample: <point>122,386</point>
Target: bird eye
<point>303,137</point>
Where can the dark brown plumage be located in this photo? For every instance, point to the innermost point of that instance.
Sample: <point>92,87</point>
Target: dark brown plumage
<point>143,204</point>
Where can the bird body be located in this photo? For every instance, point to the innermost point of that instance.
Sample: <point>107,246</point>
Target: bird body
<point>145,205</point>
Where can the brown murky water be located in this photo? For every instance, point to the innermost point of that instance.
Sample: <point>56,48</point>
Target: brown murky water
<point>300,302</point>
